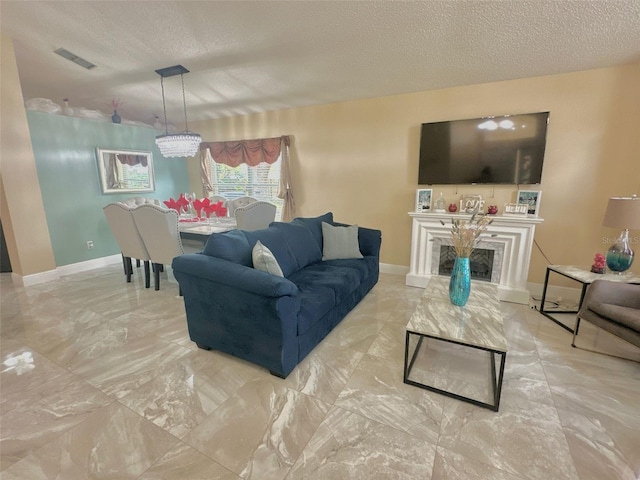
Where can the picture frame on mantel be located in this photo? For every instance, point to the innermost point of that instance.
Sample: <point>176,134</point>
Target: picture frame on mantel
<point>532,199</point>
<point>423,200</point>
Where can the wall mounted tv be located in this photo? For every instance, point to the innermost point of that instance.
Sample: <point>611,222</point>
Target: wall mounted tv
<point>508,149</point>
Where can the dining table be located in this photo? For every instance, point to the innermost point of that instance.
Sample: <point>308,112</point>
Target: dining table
<point>197,232</point>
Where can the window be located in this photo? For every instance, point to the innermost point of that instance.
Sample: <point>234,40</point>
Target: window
<point>261,182</point>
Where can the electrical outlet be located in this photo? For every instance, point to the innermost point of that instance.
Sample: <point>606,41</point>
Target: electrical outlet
<point>89,244</point>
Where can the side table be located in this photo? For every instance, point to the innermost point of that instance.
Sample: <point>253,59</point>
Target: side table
<point>584,277</point>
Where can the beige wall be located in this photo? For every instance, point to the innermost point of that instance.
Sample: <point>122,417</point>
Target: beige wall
<point>23,216</point>
<point>359,159</point>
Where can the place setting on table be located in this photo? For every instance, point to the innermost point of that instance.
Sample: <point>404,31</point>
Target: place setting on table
<point>200,216</point>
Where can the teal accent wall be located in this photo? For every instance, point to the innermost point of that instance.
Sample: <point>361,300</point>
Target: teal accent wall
<point>65,154</point>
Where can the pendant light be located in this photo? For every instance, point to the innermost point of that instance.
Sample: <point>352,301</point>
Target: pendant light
<point>182,144</point>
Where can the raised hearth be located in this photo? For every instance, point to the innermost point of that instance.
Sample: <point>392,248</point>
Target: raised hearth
<point>509,238</point>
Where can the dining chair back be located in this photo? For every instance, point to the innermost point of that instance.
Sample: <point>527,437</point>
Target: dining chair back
<point>255,216</point>
<point>127,237</point>
<point>158,227</point>
<point>238,202</point>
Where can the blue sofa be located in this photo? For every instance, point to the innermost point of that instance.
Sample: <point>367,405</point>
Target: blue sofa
<point>269,320</point>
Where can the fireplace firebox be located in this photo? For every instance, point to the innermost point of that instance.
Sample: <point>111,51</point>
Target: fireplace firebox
<point>480,262</point>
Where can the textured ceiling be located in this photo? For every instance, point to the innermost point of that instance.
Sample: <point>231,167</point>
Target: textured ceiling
<point>253,56</point>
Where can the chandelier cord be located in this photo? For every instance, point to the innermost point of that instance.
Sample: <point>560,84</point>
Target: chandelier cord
<point>164,106</point>
<point>184,103</point>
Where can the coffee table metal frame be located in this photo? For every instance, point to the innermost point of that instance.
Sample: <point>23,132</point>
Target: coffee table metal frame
<point>478,325</point>
<point>495,382</point>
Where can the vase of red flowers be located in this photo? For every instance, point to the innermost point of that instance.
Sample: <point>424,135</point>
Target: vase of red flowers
<point>598,264</point>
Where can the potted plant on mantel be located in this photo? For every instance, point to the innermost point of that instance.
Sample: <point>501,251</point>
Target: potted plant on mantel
<point>464,236</point>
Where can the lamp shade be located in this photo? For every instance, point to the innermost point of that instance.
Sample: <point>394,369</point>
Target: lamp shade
<point>623,212</point>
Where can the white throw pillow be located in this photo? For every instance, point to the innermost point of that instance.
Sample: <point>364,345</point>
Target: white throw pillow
<point>340,242</point>
<point>264,260</point>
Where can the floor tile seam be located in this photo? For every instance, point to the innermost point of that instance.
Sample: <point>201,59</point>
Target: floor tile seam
<point>574,461</point>
<point>113,395</point>
<point>94,327</point>
<point>263,435</point>
<point>482,462</point>
<point>612,439</point>
<point>62,432</point>
<point>144,419</point>
<point>67,370</point>
<point>264,432</point>
<point>189,446</point>
<point>362,415</point>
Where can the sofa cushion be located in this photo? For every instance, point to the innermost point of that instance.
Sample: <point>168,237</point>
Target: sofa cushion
<point>264,260</point>
<point>340,242</point>
<point>301,243</point>
<point>365,266</point>
<point>232,246</point>
<point>274,239</point>
<point>322,287</point>
<point>626,316</point>
<point>314,224</point>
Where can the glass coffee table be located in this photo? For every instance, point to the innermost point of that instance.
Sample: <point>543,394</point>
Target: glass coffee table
<point>476,327</point>
<point>584,277</point>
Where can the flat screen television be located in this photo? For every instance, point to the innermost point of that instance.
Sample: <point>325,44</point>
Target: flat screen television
<point>508,149</point>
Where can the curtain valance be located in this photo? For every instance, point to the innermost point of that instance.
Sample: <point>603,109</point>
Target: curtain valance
<point>251,152</point>
<point>132,159</point>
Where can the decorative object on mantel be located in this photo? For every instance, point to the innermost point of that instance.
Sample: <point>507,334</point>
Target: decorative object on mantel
<point>464,236</point>
<point>115,104</point>
<point>423,200</point>
<point>453,208</point>
<point>471,203</point>
<point>439,204</point>
<point>622,212</point>
<point>67,110</point>
<point>530,198</point>
<point>598,264</point>
<point>516,209</point>
<point>492,210</point>
<point>182,144</point>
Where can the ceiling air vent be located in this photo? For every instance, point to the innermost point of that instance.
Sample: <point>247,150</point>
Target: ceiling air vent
<point>74,58</point>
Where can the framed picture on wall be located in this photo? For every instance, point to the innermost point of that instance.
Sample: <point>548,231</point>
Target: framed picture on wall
<point>530,198</point>
<point>125,171</point>
<point>423,200</point>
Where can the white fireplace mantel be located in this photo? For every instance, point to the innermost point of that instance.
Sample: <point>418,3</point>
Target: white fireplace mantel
<point>511,237</point>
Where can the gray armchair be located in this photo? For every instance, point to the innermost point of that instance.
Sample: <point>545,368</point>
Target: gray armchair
<point>614,307</point>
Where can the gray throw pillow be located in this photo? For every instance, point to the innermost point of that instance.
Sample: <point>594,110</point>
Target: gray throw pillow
<point>264,260</point>
<point>340,242</point>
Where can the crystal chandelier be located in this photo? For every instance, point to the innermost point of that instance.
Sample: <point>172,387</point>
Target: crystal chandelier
<point>182,144</point>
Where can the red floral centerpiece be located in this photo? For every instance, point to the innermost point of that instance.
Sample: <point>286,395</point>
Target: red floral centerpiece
<point>598,263</point>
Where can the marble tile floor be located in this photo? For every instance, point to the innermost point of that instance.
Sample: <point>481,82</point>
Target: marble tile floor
<point>99,380</point>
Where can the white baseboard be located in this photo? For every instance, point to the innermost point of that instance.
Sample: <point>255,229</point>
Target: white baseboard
<point>393,269</point>
<point>89,265</point>
<point>51,275</point>
<point>34,278</point>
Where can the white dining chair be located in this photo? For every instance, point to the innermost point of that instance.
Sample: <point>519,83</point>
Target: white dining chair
<point>238,202</point>
<point>158,227</point>
<point>255,216</point>
<point>128,238</point>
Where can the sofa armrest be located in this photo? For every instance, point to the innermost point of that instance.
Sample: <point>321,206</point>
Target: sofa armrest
<point>233,275</point>
<point>615,293</point>
<point>370,241</point>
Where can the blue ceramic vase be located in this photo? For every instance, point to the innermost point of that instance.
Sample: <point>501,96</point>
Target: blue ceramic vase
<point>115,118</point>
<point>460,283</point>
